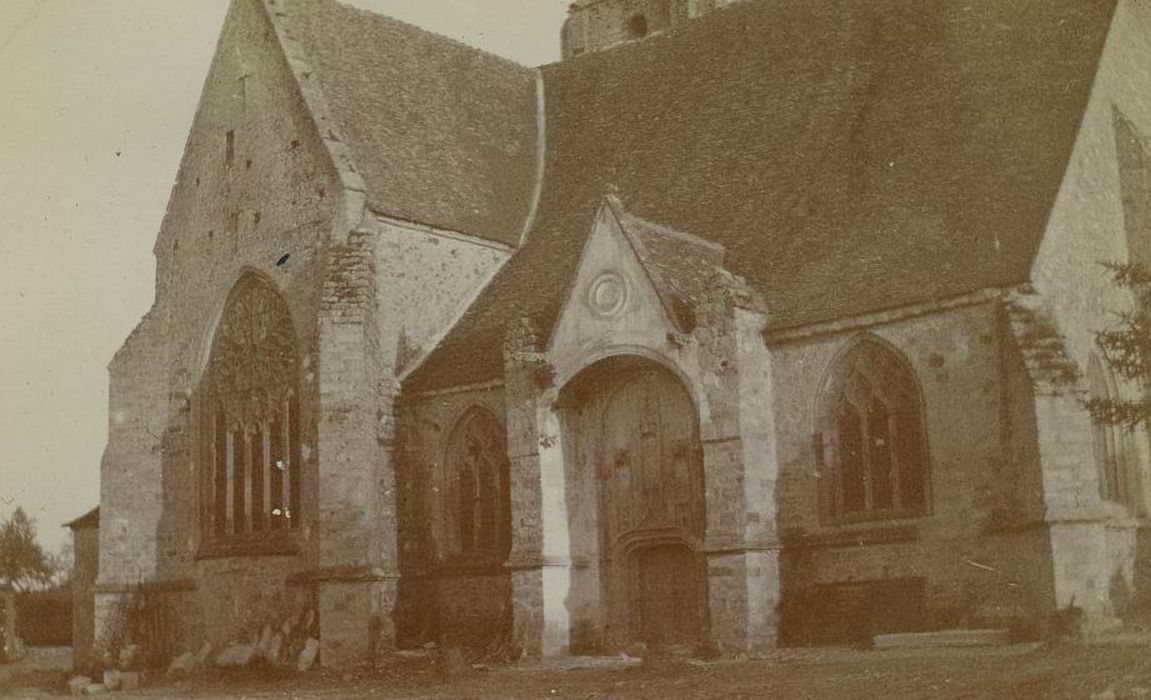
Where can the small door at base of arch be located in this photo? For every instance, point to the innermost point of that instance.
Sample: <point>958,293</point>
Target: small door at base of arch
<point>666,597</point>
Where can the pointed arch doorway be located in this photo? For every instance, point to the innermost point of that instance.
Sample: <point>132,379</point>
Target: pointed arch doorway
<point>633,432</point>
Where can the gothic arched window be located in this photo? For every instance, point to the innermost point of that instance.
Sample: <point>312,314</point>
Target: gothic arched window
<point>870,438</point>
<point>1113,445</point>
<point>637,26</point>
<point>478,502</point>
<point>249,418</point>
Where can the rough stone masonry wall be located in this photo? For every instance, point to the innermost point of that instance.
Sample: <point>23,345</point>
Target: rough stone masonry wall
<point>130,484</point>
<point>1089,225</point>
<point>440,602</point>
<point>956,356</point>
<point>257,191</point>
<point>255,186</point>
<point>427,279</point>
<point>595,25</point>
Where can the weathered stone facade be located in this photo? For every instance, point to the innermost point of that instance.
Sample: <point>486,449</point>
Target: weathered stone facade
<point>539,398</point>
<point>595,25</point>
<point>266,190</point>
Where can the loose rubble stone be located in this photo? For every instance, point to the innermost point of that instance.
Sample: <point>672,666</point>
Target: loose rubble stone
<point>182,666</point>
<point>275,649</point>
<point>265,642</point>
<point>308,655</point>
<point>235,656</point>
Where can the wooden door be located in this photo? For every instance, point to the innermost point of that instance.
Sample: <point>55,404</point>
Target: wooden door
<point>666,596</point>
<point>650,465</point>
<point>652,509</point>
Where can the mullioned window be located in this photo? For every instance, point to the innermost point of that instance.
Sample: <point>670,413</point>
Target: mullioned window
<point>870,440</point>
<point>249,419</point>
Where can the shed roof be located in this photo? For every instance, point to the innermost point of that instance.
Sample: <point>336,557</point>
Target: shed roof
<point>88,520</point>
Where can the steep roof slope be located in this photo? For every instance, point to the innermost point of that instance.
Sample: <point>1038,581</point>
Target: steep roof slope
<point>442,133</point>
<point>850,156</point>
<point>682,267</point>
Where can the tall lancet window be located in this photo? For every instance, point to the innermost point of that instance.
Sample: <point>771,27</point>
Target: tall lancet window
<point>870,442</point>
<point>249,419</point>
<point>478,504</point>
<point>1114,446</point>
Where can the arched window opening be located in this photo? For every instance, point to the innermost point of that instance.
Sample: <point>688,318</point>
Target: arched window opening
<point>572,35</point>
<point>870,438</point>
<point>1113,445</point>
<point>249,418</point>
<point>478,495</point>
<point>637,26</point>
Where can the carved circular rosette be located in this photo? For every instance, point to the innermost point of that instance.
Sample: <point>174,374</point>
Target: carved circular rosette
<point>608,294</point>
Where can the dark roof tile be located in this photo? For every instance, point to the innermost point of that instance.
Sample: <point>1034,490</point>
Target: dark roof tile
<point>850,156</point>
<point>442,133</point>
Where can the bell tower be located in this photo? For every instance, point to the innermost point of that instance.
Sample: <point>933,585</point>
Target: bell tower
<point>595,25</point>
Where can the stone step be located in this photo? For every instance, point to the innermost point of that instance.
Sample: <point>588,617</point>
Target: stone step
<point>943,638</point>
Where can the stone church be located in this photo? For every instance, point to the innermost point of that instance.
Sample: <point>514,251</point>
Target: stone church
<point>746,323</point>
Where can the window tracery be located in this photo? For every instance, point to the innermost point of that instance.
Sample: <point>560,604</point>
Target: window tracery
<point>249,418</point>
<point>870,439</point>
<point>478,495</point>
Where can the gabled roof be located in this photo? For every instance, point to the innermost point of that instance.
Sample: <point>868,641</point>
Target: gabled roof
<point>682,267</point>
<point>851,156</point>
<point>443,134</point>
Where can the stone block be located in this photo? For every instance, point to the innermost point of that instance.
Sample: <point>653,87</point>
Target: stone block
<point>236,656</point>
<point>182,666</point>
<point>275,649</point>
<point>95,689</point>
<point>308,655</point>
<point>265,643</point>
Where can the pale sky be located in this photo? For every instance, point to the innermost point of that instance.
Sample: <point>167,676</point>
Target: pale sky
<point>96,100</point>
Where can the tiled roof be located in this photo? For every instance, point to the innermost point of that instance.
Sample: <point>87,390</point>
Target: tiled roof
<point>683,267</point>
<point>850,156</point>
<point>443,134</point>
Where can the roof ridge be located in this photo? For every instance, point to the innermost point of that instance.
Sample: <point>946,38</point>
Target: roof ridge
<point>657,229</point>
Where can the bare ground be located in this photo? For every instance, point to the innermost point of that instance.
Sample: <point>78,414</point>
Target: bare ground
<point>1121,665</point>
